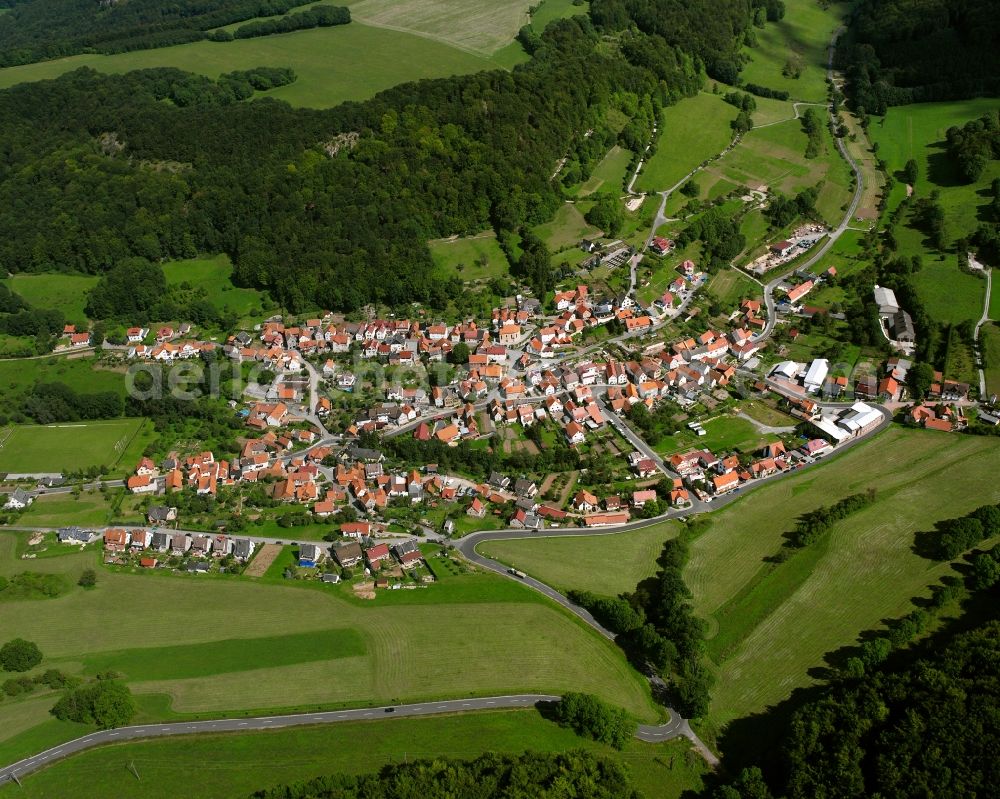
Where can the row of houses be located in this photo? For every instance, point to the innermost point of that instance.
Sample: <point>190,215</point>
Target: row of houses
<point>119,540</point>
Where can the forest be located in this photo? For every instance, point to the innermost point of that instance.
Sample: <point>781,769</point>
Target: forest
<point>37,30</point>
<point>99,168</point>
<point>907,51</point>
<point>531,774</point>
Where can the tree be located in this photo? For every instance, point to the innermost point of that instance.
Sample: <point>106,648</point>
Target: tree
<point>911,172</point>
<point>607,214</point>
<point>920,378</point>
<point>590,717</point>
<point>690,189</point>
<point>19,655</point>
<point>106,703</point>
<point>459,353</point>
<point>88,579</point>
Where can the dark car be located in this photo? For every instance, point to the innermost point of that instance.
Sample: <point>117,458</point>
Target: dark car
<point>390,710</point>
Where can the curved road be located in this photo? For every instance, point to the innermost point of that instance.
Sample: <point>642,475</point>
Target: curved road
<point>644,732</point>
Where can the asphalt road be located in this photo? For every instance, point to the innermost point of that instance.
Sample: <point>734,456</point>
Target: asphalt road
<point>645,732</point>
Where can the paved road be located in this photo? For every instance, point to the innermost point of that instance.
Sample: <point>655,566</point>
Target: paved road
<point>645,732</point>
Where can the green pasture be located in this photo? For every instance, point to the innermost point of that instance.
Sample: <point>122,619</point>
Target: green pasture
<point>67,293</point>
<point>795,45</point>
<point>346,62</point>
<point>692,131</point>
<point>73,446</point>
<point>470,258</point>
<point>604,564</point>
<point>241,763</point>
<point>770,624</point>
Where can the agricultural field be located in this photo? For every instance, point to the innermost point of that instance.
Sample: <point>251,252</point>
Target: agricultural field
<point>388,650</point>
<point>73,446</point>
<point>691,131</point>
<point>238,761</point>
<point>89,509</point>
<point>604,564</point>
<point>214,275</point>
<point>791,54</point>
<point>68,293</point>
<point>470,258</point>
<point>82,374</point>
<point>770,624</point>
<point>346,62</point>
<point>918,132</point>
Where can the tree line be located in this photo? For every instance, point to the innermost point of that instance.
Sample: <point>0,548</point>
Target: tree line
<point>37,30</point>
<point>315,17</point>
<point>656,627</point>
<point>529,774</point>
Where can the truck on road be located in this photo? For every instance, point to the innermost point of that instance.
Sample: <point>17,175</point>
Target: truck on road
<point>517,573</point>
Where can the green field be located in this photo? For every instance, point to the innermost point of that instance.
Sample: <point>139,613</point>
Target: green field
<point>770,627</point>
<point>722,434</point>
<point>918,132</point>
<point>566,229</point>
<point>948,294</point>
<point>464,257</point>
<point>775,157</point>
<point>604,564</point>
<point>799,40</point>
<point>245,762</point>
<point>214,276</point>
<point>68,293</point>
<point>73,446</point>
<point>691,131</point>
<point>729,285</point>
<point>990,338</point>
<point>82,374</point>
<point>346,62</point>
<point>609,174</point>
<point>417,645</point>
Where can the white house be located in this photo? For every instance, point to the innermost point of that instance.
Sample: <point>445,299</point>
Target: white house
<point>816,374</point>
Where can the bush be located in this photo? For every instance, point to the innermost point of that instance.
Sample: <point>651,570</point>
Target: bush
<point>88,579</point>
<point>19,655</point>
<point>589,717</point>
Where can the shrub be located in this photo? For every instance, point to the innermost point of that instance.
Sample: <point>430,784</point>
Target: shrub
<point>19,655</point>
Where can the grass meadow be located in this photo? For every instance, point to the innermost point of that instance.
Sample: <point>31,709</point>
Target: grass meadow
<point>771,625</point>
<point>604,564</point>
<point>242,763</point>
<point>68,293</point>
<point>990,336</point>
<point>72,446</point>
<point>918,132</point>
<point>345,62</point>
<point>948,293</point>
<point>470,634</point>
<point>470,258</point>
<point>729,285</point>
<point>691,131</point>
<point>215,275</point>
<point>798,41</point>
<point>608,175</point>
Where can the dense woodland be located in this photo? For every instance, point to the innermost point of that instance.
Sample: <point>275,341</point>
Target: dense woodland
<point>36,30</point>
<point>905,51</point>
<point>101,169</point>
<point>530,775</point>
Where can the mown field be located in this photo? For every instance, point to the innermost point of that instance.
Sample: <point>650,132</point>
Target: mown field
<point>72,446</point>
<point>245,762</point>
<point>604,564</point>
<point>414,645</point>
<point>771,625</point>
<point>608,175</point>
<point>722,434</point>
<point>990,338</point>
<point>691,131</point>
<point>796,44</point>
<point>68,293</point>
<point>948,293</point>
<point>346,62</point>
